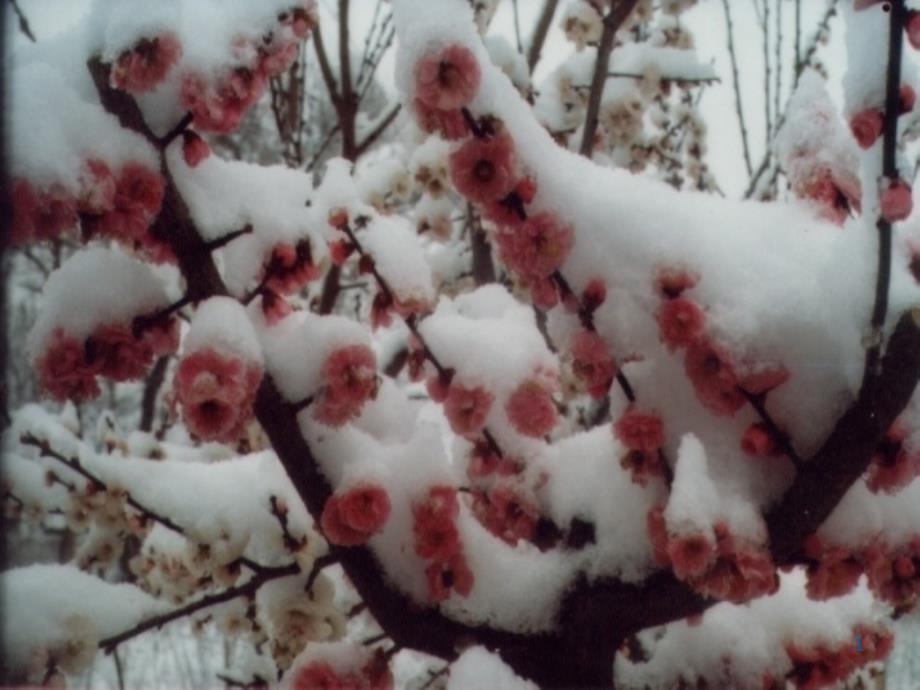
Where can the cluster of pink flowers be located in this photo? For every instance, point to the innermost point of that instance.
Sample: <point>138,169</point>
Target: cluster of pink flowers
<point>146,64</point>
<point>434,525</point>
<point>120,207</point>
<point>730,569</point>
<point>895,463</point>
<point>349,381</point>
<point>353,517</point>
<point>218,106</point>
<point>319,675</point>
<point>822,666</point>
<point>592,363</point>
<point>466,408</point>
<point>68,367</point>
<point>444,83</point>
<point>507,512</point>
<point>535,249</point>
<point>216,392</point>
<point>530,407</point>
<point>836,193</point>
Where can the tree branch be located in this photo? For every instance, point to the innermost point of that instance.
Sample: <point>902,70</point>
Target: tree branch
<point>739,109</point>
<point>539,33</point>
<point>612,22</point>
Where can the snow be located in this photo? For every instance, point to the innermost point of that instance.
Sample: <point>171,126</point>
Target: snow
<point>95,287</point>
<point>60,612</point>
<point>222,324</point>
<point>478,668</point>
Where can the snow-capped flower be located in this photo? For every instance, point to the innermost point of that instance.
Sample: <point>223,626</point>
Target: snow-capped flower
<point>592,363</point>
<point>146,64</point>
<point>63,370</point>
<point>537,247</point>
<point>353,517</point>
<point>640,431</point>
<point>680,322</point>
<point>867,127</point>
<point>531,410</point>
<point>446,575</point>
<point>449,79</point>
<point>349,381</point>
<point>896,201</point>
<point>713,378</point>
<point>434,524</point>
<point>194,148</point>
<point>467,408</point>
<point>482,170</point>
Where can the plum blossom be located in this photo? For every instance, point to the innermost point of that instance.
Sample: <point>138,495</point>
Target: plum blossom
<point>536,248</point>
<point>482,170</point>
<point>673,282</point>
<point>63,370</point>
<point>434,524</point>
<point>467,408</point>
<point>867,127</point>
<point>896,201</point>
<point>680,322</point>
<point>640,431</point>
<point>445,575</point>
<point>531,410</point>
<point>894,573</point>
<point>194,148</point>
<point>691,555</point>
<point>450,124</point>
<point>447,80</point>
<point>40,216</point>
<point>290,267</point>
<point>592,363</point>
<point>713,378</point>
<point>219,106</point>
<point>146,64</point>
<point>351,518</point>
<point>216,392</point>
<point>833,572</point>
<point>759,442</point>
<point>507,513</point>
<point>349,381</point>
<point>913,30</point>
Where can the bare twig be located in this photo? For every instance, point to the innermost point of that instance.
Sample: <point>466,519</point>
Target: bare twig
<point>23,21</point>
<point>539,33</point>
<point>612,21</point>
<point>739,108</point>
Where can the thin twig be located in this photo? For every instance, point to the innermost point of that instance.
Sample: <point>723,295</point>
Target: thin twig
<point>739,108</point>
<point>23,22</point>
<point>539,33</point>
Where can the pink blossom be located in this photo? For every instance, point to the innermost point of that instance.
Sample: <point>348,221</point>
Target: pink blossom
<point>319,675</point>
<point>531,410</point>
<point>594,295</point>
<point>835,198</point>
<point>147,64</point>
<point>139,191</point>
<point>759,442</point>
<point>216,393</point>
<point>713,379</point>
<point>274,307</point>
<point>350,519</point>
<point>340,250</point>
<point>482,170</point>
<point>907,98</point>
<point>892,468</point>
<point>162,336</point>
<point>510,210</point>
<point>120,356</point>
<point>219,106</point>
<point>483,461</point>
<point>680,322</point>
<point>640,431</point>
<point>467,408</point>
<point>437,388</point>
<point>867,126</point>
<point>544,294</point>
<point>691,555</point>
<point>913,30</point>
<point>896,201</point>
<point>447,80</point>
<point>63,370</point>
<point>835,574</point>
<point>894,574</point>
<point>290,267</point>
<point>507,513</point>
<point>194,148</point>
<point>592,363</point>
<point>537,247</point>
<point>446,575</point>
<point>434,524</point>
<point>450,124</point>
<point>349,380</point>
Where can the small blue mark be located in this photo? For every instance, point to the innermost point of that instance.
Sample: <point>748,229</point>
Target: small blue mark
<point>859,643</point>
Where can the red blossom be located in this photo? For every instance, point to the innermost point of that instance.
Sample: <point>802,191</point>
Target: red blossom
<point>507,513</point>
<point>219,106</point>
<point>274,307</point>
<point>434,524</point>
<point>147,64</point>
<point>120,356</point>
<point>447,80</point>
<point>867,127</point>
<point>642,465</point>
<point>640,431</point>
<point>896,201</point>
<point>691,555</point>
<point>893,466</point>
<point>835,573</point>
<point>40,216</point>
<point>680,322</point>
<point>450,124</point>
<point>531,410</point>
<point>467,408</point>
<point>594,295</point>
<point>64,371</point>
<point>351,518</point>
<point>759,442</point>
<point>544,294</point>
<point>536,248</point>
<point>482,170</point>
<point>907,98</point>
<point>713,379</point>
<point>592,363</point>
<point>216,393</point>
<point>319,675</point>
<point>290,267</point>
<point>194,148</point>
<point>349,381</point>
<point>672,282</point>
